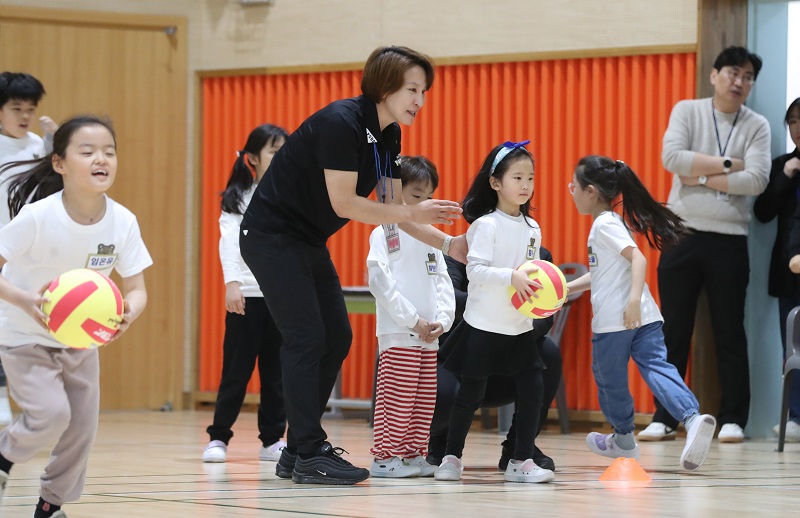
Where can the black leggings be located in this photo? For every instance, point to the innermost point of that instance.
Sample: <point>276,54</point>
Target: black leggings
<point>499,391</point>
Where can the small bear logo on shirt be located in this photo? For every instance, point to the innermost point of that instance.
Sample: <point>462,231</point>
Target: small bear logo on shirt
<point>103,259</point>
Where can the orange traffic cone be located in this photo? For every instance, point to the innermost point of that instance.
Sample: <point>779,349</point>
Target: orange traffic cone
<point>625,473</point>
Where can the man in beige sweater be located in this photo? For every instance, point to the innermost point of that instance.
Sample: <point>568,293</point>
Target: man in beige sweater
<point>718,151</point>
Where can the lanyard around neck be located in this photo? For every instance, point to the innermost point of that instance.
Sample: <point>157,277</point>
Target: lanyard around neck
<point>716,130</point>
<point>382,173</point>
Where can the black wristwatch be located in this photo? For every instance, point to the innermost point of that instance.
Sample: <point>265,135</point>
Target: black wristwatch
<point>726,165</point>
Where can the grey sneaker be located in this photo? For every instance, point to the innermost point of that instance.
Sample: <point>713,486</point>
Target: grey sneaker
<point>426,469</point>
<point>604,445</point>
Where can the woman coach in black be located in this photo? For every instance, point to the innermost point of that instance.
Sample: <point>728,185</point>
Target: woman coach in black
<point>316,183</point>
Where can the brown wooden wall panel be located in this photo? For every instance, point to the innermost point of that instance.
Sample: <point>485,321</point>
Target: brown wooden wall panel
<point>568,108</point>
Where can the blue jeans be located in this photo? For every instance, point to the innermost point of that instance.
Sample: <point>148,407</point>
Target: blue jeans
<point>610,355</point>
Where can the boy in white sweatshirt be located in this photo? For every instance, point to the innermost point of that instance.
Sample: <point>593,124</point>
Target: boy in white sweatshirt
<point>415,305</point>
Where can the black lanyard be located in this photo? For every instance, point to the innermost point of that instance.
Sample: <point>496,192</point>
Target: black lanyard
<point>716,130</point>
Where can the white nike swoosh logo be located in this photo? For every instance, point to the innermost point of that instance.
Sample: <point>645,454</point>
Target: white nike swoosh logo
<point>323,473</point>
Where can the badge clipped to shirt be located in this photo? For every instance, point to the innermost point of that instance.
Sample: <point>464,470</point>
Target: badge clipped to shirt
<point>592,258</point>
<point>392,237</point>
<point>430,264</point>
<point>530,252</point>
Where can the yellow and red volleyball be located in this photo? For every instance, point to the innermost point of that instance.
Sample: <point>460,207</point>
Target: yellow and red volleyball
<point>84,308</point>
<point>551,296</point>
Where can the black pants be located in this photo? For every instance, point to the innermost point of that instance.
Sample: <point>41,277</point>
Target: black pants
<point>304,296</point>
<point>249,338</point>
<point>500,390</point>
<point>720,263</point>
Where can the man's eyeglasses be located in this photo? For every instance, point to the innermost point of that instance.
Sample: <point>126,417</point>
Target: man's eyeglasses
<point>735,74</point>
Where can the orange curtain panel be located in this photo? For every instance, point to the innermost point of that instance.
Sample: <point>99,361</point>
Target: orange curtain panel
<point>617,106</point>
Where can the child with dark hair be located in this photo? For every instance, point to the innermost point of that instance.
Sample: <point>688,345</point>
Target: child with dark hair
<point>494,338</point>
<point>55,229</point>
<point>627,322</point>
<point>415,305</point>
<point>19,96</point>
<point>250,332</point>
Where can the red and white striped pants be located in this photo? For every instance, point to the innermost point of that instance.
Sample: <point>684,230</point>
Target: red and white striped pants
<point>404,401</point>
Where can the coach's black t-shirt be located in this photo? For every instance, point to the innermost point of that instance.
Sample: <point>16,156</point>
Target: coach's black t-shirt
<point>292,197</point>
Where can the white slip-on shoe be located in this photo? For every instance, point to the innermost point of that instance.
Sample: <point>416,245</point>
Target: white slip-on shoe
<point>792,431</point>
<point>272,452</point>
<point>450,469</point>
<point>731,433</point>
<point>657,432</point>
<point>215,452</point>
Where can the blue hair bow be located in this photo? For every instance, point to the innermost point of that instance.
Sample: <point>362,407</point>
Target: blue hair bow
<point>508,147</point>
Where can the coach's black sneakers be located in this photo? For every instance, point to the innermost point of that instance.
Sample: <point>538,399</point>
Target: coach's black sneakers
<point>285,465</point>
<point>327,467</point>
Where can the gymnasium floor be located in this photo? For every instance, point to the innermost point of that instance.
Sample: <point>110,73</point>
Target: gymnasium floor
<point>147,464</point>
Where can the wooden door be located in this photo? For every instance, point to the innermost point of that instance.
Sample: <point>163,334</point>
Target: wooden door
<point>132,69</point>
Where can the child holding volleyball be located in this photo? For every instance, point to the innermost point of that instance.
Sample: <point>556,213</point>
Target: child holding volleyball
<point>68,223</point>
<point>494,338</point>
<point>250,332</point>
<point>627,322</point>
<point>415,304</point>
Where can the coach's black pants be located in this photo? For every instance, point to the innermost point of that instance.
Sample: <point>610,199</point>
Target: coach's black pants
<point>304,296</point>
<point>720,263</point>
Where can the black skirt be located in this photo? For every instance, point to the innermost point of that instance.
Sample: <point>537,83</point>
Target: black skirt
<point>473,353</point>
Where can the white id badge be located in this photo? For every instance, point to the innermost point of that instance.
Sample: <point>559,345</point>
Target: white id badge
<point>430,264</point>
<point>392,237</point>
<point>723,196</point>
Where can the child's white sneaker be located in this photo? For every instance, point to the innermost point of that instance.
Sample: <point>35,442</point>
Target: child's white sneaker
<point>698,441</point>
<point>450,469</point>
<point>425,468</point>
<point>272,452</point>
<point>604,445</point>
<point>392,468</point>
<point>657,432</point>
<point>527,471</point>
<point>731,432</point>
<point>215,452</point>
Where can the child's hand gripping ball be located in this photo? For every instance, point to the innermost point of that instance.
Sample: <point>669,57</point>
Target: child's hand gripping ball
<point>549,298</point>
<point>84,309</point>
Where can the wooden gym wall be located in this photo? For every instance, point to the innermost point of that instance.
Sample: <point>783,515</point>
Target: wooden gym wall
<point>616,106</point>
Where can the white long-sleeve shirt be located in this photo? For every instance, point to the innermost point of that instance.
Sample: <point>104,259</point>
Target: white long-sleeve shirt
<point>498,244</point>
<point>409,284</point>
<point>234,269</point>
